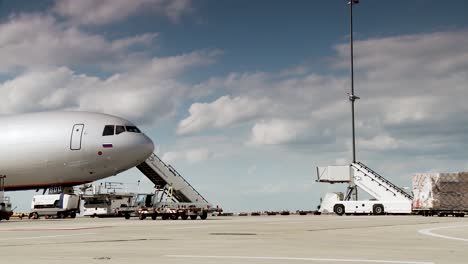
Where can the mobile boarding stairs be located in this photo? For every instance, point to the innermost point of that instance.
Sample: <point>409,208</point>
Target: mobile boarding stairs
<point>387,197</point>
<point>173,190</point>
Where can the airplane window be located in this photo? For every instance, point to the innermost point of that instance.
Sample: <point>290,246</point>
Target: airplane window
<point>108,130</point>
<point>133,129</point>
<point>119,129</point>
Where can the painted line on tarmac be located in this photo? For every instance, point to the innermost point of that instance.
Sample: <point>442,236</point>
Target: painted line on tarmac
<point>41,237</point>
<point>281,223</point>
<point>302,259</point>
<point>188,227</point>
<point>54,228</point>
<point>428,232</point>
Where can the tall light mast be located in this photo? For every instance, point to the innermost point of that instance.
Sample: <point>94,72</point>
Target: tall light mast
<point>352,97</point>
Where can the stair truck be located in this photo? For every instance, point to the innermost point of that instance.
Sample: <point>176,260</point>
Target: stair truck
<point>439,194</point>
<point>387,198</point>
<point>173,197</point>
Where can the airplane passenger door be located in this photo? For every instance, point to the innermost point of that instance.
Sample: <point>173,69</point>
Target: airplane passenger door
<point>76,135</point>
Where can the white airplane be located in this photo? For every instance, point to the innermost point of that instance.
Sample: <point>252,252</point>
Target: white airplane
<point>61,149</point>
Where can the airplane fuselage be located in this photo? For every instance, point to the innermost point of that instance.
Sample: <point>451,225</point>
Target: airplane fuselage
<point>47,149</point>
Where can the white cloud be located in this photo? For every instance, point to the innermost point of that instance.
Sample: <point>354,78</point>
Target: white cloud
<point>433,53</point>
<point>277,132</point>
<point>252,170</point>
<point>245,83</point>
<point>170,157</point>
<point>295,71</point>
<point>411,109</point>
<point>125,43</point>
<point>198,155</point>
<point>35,41</point>
<point>191,155</point>
<point>411,86</point>
<point>91,12</point>
<point>379,142</point>
<point>146,94</point>
<point>223,112</point>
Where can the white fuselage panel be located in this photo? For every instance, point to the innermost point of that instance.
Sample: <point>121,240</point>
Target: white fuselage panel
<point>66,148</point>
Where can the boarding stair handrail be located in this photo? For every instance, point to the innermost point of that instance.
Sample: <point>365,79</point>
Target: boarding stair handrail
<point>381,178</point>
<point>173,170</point>
<point>155,158</point>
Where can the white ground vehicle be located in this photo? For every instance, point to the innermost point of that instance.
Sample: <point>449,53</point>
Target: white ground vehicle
<point>387,197</point>
<point>151,205</point>
<point>55,205</point>
<point>5,205</point>
<point>105,204</point>
<point>5,208</point>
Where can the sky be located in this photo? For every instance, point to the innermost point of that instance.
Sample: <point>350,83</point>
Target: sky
<point>246,98</point>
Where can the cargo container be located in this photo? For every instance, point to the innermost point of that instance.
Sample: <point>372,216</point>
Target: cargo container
<point>440,194</point>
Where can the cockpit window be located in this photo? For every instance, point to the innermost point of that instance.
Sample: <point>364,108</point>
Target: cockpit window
<point>119,129</point>
<point>108,130</point>
<point>133,129</point>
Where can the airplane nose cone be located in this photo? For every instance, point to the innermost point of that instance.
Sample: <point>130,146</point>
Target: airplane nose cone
<point>148,146</point>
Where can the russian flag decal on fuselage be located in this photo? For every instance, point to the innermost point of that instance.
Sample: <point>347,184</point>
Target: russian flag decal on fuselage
<point>107,145</point>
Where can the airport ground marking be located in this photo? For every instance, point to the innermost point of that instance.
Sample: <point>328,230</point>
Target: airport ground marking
<point>428,232</point>
<point>303,259</point>
<point>51,236</point>
<point>188,227</point>
<point>54,229</point>
<point>281,223</point>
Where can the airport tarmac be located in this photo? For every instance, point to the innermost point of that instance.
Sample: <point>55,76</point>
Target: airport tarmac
<point>253,239</point>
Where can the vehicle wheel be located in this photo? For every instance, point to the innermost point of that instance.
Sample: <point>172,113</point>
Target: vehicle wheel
<point>204,216</point>
<point>193,217</point>
<point>35,215</point>
<point>60,215</point>
<point>174,216</point>
<point>184,217</point>
<point>7,217</point>
<point>73,215</point>
<point>378,209</point>
<point>339,209</point>
<point>154,216</point>
<point>127,216</point>
<point>142,216</point>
